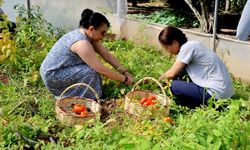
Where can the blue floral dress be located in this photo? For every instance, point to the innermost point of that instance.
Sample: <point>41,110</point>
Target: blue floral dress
<point>62,68</point>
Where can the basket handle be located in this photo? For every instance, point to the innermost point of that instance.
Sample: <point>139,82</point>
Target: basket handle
<point>158,83</point>
<point>82,85</point>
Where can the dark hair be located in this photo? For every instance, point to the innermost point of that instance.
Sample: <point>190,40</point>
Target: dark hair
<point>169,34</point>
<point>90,18</point>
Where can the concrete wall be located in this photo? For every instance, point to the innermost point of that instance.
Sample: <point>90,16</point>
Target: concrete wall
<point>235,54</point>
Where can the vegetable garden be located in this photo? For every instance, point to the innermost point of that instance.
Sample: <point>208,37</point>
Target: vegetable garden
<point>27,113</point>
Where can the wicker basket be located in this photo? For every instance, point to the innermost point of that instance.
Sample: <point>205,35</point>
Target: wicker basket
<point>63,107</point>
<point>143,111</point>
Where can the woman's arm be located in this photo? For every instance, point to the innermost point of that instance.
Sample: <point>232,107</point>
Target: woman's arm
<point>173,71</point>
<point>108,57</point>
<point>85,50</point>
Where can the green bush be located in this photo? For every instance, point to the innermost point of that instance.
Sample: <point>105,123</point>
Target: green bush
<point>33,38</point>
<point>7,44</point>
<point>169,17</point>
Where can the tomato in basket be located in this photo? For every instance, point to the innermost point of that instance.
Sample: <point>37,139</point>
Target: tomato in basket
<point>152,98</point>
<point>148,101</point>
<point>143,100</point>
<point>79,108</point>
<point>84,114</point>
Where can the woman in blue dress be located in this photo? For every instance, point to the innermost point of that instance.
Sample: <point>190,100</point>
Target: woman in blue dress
<point>73,59</point>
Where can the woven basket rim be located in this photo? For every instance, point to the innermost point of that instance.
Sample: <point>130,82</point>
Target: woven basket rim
<point>77,97</point>
<point>143,90</point>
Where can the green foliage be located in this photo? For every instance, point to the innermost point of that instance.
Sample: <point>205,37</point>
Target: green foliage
<point>169,17</point>
<point>33,39</point>
<point>221,125</point>
<point>142,61</point>
<point>237,5</point>
<point>210,129</point>
<point>242,90</point>
<point>8,46</point>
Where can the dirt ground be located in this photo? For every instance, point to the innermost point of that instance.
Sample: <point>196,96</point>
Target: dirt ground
<point>4,78</point>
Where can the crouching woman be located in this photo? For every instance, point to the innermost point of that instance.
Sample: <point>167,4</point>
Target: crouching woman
<point>73,59</point>
<point>209,75</point>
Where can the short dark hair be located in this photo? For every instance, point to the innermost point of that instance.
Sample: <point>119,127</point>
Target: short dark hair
<point>90,18</point>
<point>170,33</point>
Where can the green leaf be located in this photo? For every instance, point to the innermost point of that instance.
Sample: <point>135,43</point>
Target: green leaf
<point>124,141</point>
<point>217,133</point>
<point>129,146</point>
<point>157,147</point>
<point>209,139</point>
<point>217,144</point>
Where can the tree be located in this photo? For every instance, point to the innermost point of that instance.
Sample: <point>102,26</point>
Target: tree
<point>227,5</point>
<point>203,11</point>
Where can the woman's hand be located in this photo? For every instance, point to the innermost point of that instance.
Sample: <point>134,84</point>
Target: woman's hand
<point>129,80</point>
<point>162,77</point>
<point>128,74</point>
<point>91,59</point>
<point>130,77</point>
<point>166,76</point>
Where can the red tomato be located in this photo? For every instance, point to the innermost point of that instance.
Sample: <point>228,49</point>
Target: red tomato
<point>151,103</point>
<point>79,108</point>
<point>152,98</point>
<point>147,103</point>
<point>168,120</point>
<point>143,100</point>
<point>84,114</point>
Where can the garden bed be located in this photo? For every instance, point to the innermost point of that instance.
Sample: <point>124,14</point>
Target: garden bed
<point>203,128</point>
